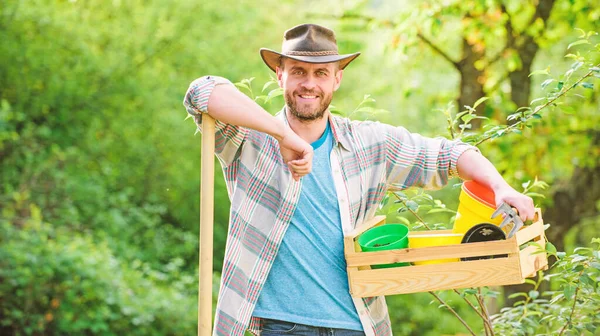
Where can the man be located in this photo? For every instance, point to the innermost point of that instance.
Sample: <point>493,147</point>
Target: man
<point>298,181</point>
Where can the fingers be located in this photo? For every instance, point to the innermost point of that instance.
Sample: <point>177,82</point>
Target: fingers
<point>300,168</point>
<point>525,207</point>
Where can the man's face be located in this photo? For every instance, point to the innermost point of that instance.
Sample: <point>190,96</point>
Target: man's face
<point>308,87</point>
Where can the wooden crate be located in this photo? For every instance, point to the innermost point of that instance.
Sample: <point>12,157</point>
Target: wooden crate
<point>521,263</point>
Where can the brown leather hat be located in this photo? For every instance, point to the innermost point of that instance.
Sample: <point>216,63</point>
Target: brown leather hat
<point>309,43</point>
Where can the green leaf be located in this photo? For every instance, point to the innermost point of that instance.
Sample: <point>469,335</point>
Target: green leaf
<point>557,298</point>
<point>550,248</point>
<point>470,291</point>
<point>479,101</point>
<point>536,116</point>
<point>242,85</point>
<point>467,117</point>
<point>438,210</point>
<point>569,73</point>
<point>588,85</point>
<point>534,294</point>
<point>404,220</point>
<point>575,66</point>
<point>540,72</point>
<point>267,84</point>
<point>595,69</point>
<point>400,194</point>
<point>537,100</point>
<point>568,291</point>
<point>568,109</point>
<point>561,255</point>
<point>560,85</point>
<point>576,43</point>
<point>514,295</point>
<point>585,279</point>
<point>591,327</point>
<point>412,205</point>
<point>513,116</point>
<point>583,33</point>
<point>571,56</point>
<point>547,82</point>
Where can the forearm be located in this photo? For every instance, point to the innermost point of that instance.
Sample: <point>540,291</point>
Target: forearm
<point>229,105</point>
<point>471,165</point>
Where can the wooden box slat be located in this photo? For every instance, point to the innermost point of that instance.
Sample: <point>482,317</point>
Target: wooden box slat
<point>432,253</point>
<point>422,278</point>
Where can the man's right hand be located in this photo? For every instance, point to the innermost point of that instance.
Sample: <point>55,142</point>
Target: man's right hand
<point>296,153</point>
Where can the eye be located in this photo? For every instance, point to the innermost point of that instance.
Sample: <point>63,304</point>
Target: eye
<point>321,73</point>
<point>297,72</point>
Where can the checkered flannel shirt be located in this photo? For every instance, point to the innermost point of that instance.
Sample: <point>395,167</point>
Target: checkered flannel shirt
<point>367,158</point>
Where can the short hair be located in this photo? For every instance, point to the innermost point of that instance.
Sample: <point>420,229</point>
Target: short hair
<point>282,59</point>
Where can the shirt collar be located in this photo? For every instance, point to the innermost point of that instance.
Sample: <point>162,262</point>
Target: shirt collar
<point>339,128</point>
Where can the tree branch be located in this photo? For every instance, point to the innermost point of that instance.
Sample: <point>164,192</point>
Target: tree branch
<point>389,23</point>
<point>541,108</point>
<point>439,51</point>
<point>542,10</point>
<point>485,319</point>
<point>453,312</point>
<point>413,212</point>
<point>562,331</point>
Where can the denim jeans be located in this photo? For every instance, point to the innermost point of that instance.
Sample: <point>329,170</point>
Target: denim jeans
<point>283,328</point>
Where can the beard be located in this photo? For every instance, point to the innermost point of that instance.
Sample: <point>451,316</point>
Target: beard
<point>307,112</point>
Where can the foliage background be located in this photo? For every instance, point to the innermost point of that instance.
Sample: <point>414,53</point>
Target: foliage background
<point>99,172</point>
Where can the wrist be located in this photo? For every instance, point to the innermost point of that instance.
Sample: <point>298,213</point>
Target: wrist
<point>499,185</point>
<point>279,129</point>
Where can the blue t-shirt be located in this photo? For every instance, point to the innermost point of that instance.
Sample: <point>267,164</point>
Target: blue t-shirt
<point>308,282</point>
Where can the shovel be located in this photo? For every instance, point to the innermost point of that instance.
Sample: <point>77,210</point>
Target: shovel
<point>207,189</point>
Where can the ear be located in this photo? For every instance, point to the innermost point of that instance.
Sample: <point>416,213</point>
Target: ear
<point>279,73</point>
<point>338,79</point>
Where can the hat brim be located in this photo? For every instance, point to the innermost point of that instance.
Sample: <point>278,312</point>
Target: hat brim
<point>271,58</point>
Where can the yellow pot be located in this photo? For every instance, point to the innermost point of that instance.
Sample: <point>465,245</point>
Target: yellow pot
<point>476,206</point>
<point>433,239</point>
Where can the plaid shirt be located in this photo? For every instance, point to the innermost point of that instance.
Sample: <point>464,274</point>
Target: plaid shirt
<point>367,158</point>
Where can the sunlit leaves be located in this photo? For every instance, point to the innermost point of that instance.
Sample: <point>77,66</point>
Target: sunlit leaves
<point>576,43</point>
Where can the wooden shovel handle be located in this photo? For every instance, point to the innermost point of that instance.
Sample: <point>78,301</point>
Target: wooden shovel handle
<point>207,189</point>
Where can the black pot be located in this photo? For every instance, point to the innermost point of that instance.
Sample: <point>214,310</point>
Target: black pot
<point>482,233</point>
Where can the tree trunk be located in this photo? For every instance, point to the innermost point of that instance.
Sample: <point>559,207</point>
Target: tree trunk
<point>574,200</point>
<point>471,81</point>
<point>520,82</point>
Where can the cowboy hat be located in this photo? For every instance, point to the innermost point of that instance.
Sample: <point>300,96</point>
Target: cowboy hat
<point>309,43</point>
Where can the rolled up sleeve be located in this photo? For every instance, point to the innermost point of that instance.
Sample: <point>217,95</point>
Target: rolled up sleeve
<point>415,160</point>
<point>228,138</point>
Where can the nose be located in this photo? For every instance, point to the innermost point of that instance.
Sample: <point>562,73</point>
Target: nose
<point>309,83</point>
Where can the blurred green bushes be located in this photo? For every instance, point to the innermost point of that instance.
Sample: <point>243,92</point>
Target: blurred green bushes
<point>59,282</point>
